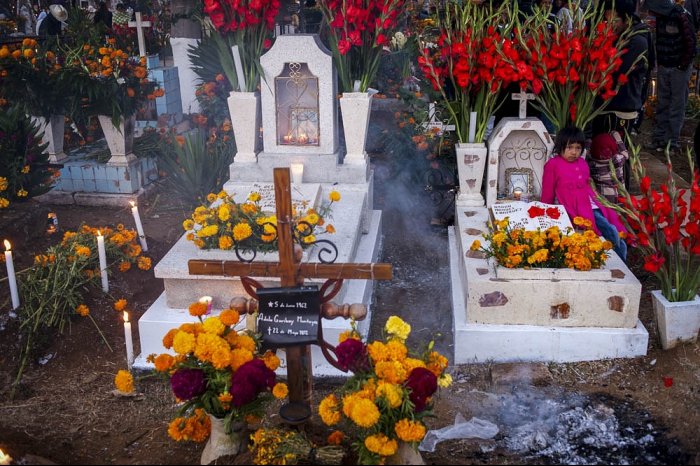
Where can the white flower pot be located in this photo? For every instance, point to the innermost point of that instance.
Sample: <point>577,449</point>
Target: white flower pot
<point>677,321</point>
<point>471,162</point>
<point>53,135</point>
<point>120,140</point>
<point>222,444</point>
<point>355,108</point>
<point>244,108</point>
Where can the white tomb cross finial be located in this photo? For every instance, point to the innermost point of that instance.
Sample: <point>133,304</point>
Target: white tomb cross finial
<point>139,24</point>
<point>433,122</point>
<point>523,97</point>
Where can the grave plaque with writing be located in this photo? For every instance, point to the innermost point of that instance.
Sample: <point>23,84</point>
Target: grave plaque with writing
<point>289,316</point>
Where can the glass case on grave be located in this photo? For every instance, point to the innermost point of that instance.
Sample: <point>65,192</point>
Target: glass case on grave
<point>297,107</point>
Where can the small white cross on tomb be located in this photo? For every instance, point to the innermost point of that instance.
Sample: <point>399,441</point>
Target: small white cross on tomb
<point>523,97</point>
<point>139,24</point>
<point>433,122</point>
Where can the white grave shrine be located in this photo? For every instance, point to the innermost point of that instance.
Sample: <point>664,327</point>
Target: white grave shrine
<point>300,128</point>
<point>557,315</point>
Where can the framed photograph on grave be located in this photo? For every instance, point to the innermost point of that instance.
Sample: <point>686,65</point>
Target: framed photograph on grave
<point>521,179</point>
<point>289,316</point>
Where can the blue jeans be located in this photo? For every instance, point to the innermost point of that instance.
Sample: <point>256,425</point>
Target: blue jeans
<point>610,233</point>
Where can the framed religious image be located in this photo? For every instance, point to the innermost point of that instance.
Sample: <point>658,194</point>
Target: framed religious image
<point>520,180</point>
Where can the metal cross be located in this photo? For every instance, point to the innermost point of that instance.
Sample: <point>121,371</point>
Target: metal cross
<point>433,122</point>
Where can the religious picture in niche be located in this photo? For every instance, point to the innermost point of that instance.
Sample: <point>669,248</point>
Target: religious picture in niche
<point>289,316</point>
<point>297,106</point>
<point>520,182</point>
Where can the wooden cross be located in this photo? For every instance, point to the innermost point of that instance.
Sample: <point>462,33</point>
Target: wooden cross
<point>523,97</point>
<point>139,24</point>
<point>433,122</point>
<point>292,273</point>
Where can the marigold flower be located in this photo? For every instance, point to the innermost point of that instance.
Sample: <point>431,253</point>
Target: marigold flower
<point>120,305</point>
<point>124,381</point>
<point>364,413</point>
<point>124,266</point>
<point>144,263</point>
<point>280,391</point>
<point>229,317</point>
<point>242,231</point>
<point>198,309</point>
<point>164,362</point>
<point>410,431</point>
<point>214,326</point>
<point>329,410</point>
<point>381,445</point>
<point>335,438</point>
<point>82,310</point>
<point>334,196</point>
<point>271,360</point>
<point>397,328</point>
<point>183,343</point>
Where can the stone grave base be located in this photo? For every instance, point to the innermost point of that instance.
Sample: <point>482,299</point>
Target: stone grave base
<point>555,317</point>
<point>170,310</point>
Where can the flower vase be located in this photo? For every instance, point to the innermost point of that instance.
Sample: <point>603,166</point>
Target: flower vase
<point>120,140</point>
<point>53,136</point>
<point>222,444</point>
<point>471,162</point>
<point>677,321</point>
<point>355,108</point>
<point>405,454</point>
<point>244,108</point>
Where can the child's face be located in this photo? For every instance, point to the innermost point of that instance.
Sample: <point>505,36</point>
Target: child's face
<point>572,152</point>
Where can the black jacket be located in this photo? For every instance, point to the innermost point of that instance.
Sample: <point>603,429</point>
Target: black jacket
<point>675,38</point>
<point>630,96</point>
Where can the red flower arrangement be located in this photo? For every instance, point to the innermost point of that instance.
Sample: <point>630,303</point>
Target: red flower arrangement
<point>664,225</point>
<point>249,25</point>
<point>359,30</point>
<point>473,60</point>
<point>573,72</point>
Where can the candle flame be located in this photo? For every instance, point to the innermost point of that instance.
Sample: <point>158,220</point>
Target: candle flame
<point>8,246</point>
<point>99,233</point>
<point>133,204</point>
<point>5,458</point>
<point>126,317</point>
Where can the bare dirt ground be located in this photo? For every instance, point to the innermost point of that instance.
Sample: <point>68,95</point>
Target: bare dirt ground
<point>643,410</point>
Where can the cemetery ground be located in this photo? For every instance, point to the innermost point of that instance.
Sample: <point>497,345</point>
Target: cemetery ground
<point>643,410</point>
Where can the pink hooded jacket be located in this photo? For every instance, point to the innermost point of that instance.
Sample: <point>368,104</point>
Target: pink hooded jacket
<point>570,184</point>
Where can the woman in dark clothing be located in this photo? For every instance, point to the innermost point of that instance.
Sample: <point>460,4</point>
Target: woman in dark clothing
<point>104,16</point>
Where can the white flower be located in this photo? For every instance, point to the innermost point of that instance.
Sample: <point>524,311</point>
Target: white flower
<point>399,40</point>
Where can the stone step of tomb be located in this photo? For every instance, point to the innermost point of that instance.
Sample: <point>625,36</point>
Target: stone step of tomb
<point>162,316</point>
<point>498,342</point>
<point>348,216</point>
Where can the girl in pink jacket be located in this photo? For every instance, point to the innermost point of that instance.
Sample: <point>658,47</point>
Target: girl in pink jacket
<point>568,179</point>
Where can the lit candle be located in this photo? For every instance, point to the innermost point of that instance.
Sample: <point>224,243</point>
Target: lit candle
<point>653,87</point>
<point>297,172</point>
<point>11,275</point>
<point>139,227</point>
<point>517,192</point>
<point>128,340</point>
<point>5,458</point>
<point>472,126</point>
<point>207,300</point>
<point>102,254</point>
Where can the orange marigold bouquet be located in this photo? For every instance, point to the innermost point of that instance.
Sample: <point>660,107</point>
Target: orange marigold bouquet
<point>389,394</point>
<point>520,248</point>
<point>216,371</point>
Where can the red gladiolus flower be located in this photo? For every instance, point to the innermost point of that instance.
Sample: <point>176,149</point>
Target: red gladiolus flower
<point>653,263</point>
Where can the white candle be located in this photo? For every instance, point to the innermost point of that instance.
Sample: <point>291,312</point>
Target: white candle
<point>11,275</point>
<point>102,254</point>
<point>208,301</point>
<point>5,458</point>
<point>297,172</point>
<point>472,126</point>
<point>139,227</point>
<point>128,340</point>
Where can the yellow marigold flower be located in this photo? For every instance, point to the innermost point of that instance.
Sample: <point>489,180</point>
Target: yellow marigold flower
<point>82,251</point>
<point>82,310</point>
<point>229,317</point>
<point>168,338</point>
<point>397,350</point>
<point>209,230</point>
<point>246,342</point>
<point>271,360</point>
<point>391,371</point>
<point>476,245</point>
<point>211,197</point>
<point>437,363</point>
<point>3,183</point>
<point>144,263</point>
<point>214,326</point>
<point>329,410</point>
<point>124,381</point>
<point>240,356</point>
<point>309,239</point>
<point>221,357</point>
<point>334,196</point>
<point>364,413</point>
<point>120,305</point>
<point>335,438</point>
<point>190,236</point>
<point>249,208</point>
<point>225,242</point>
<point>25,169</point>
<point>164,362</point>
<point>397,328</point>
<point>410,431</point>
<point>312,218</point>
<point>4,203</point>
<point>225,399</point>
<point>242,231</point>
<point>411,363</point>
<point>197,309</point>
<point>183,343</point>
<point>330,229</point>
<point>392,393</point>
<point>377,351</point>
<point>254,196</point>
<point>280,391</point>
<point>224,213</point>
<point>381,445</point>
<point>22,193</point>
<point>188,224</point>
<point>445,380</point>
<point>124,266</point>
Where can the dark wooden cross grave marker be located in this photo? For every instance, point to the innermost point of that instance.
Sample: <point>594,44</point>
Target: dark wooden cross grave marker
<point>292,274</point>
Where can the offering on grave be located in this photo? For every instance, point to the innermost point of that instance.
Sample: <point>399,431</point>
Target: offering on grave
<point>518,247</point>
<point>532,215</point>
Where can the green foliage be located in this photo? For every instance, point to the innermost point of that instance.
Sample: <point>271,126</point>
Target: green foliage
<point>24,170</point>
<point>197,165</point>
<point>211,57</point>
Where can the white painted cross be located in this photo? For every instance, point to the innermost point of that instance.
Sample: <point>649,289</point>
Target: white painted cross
<point>433,122</point>
<point>139,24</point>
<point>523,97</point>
